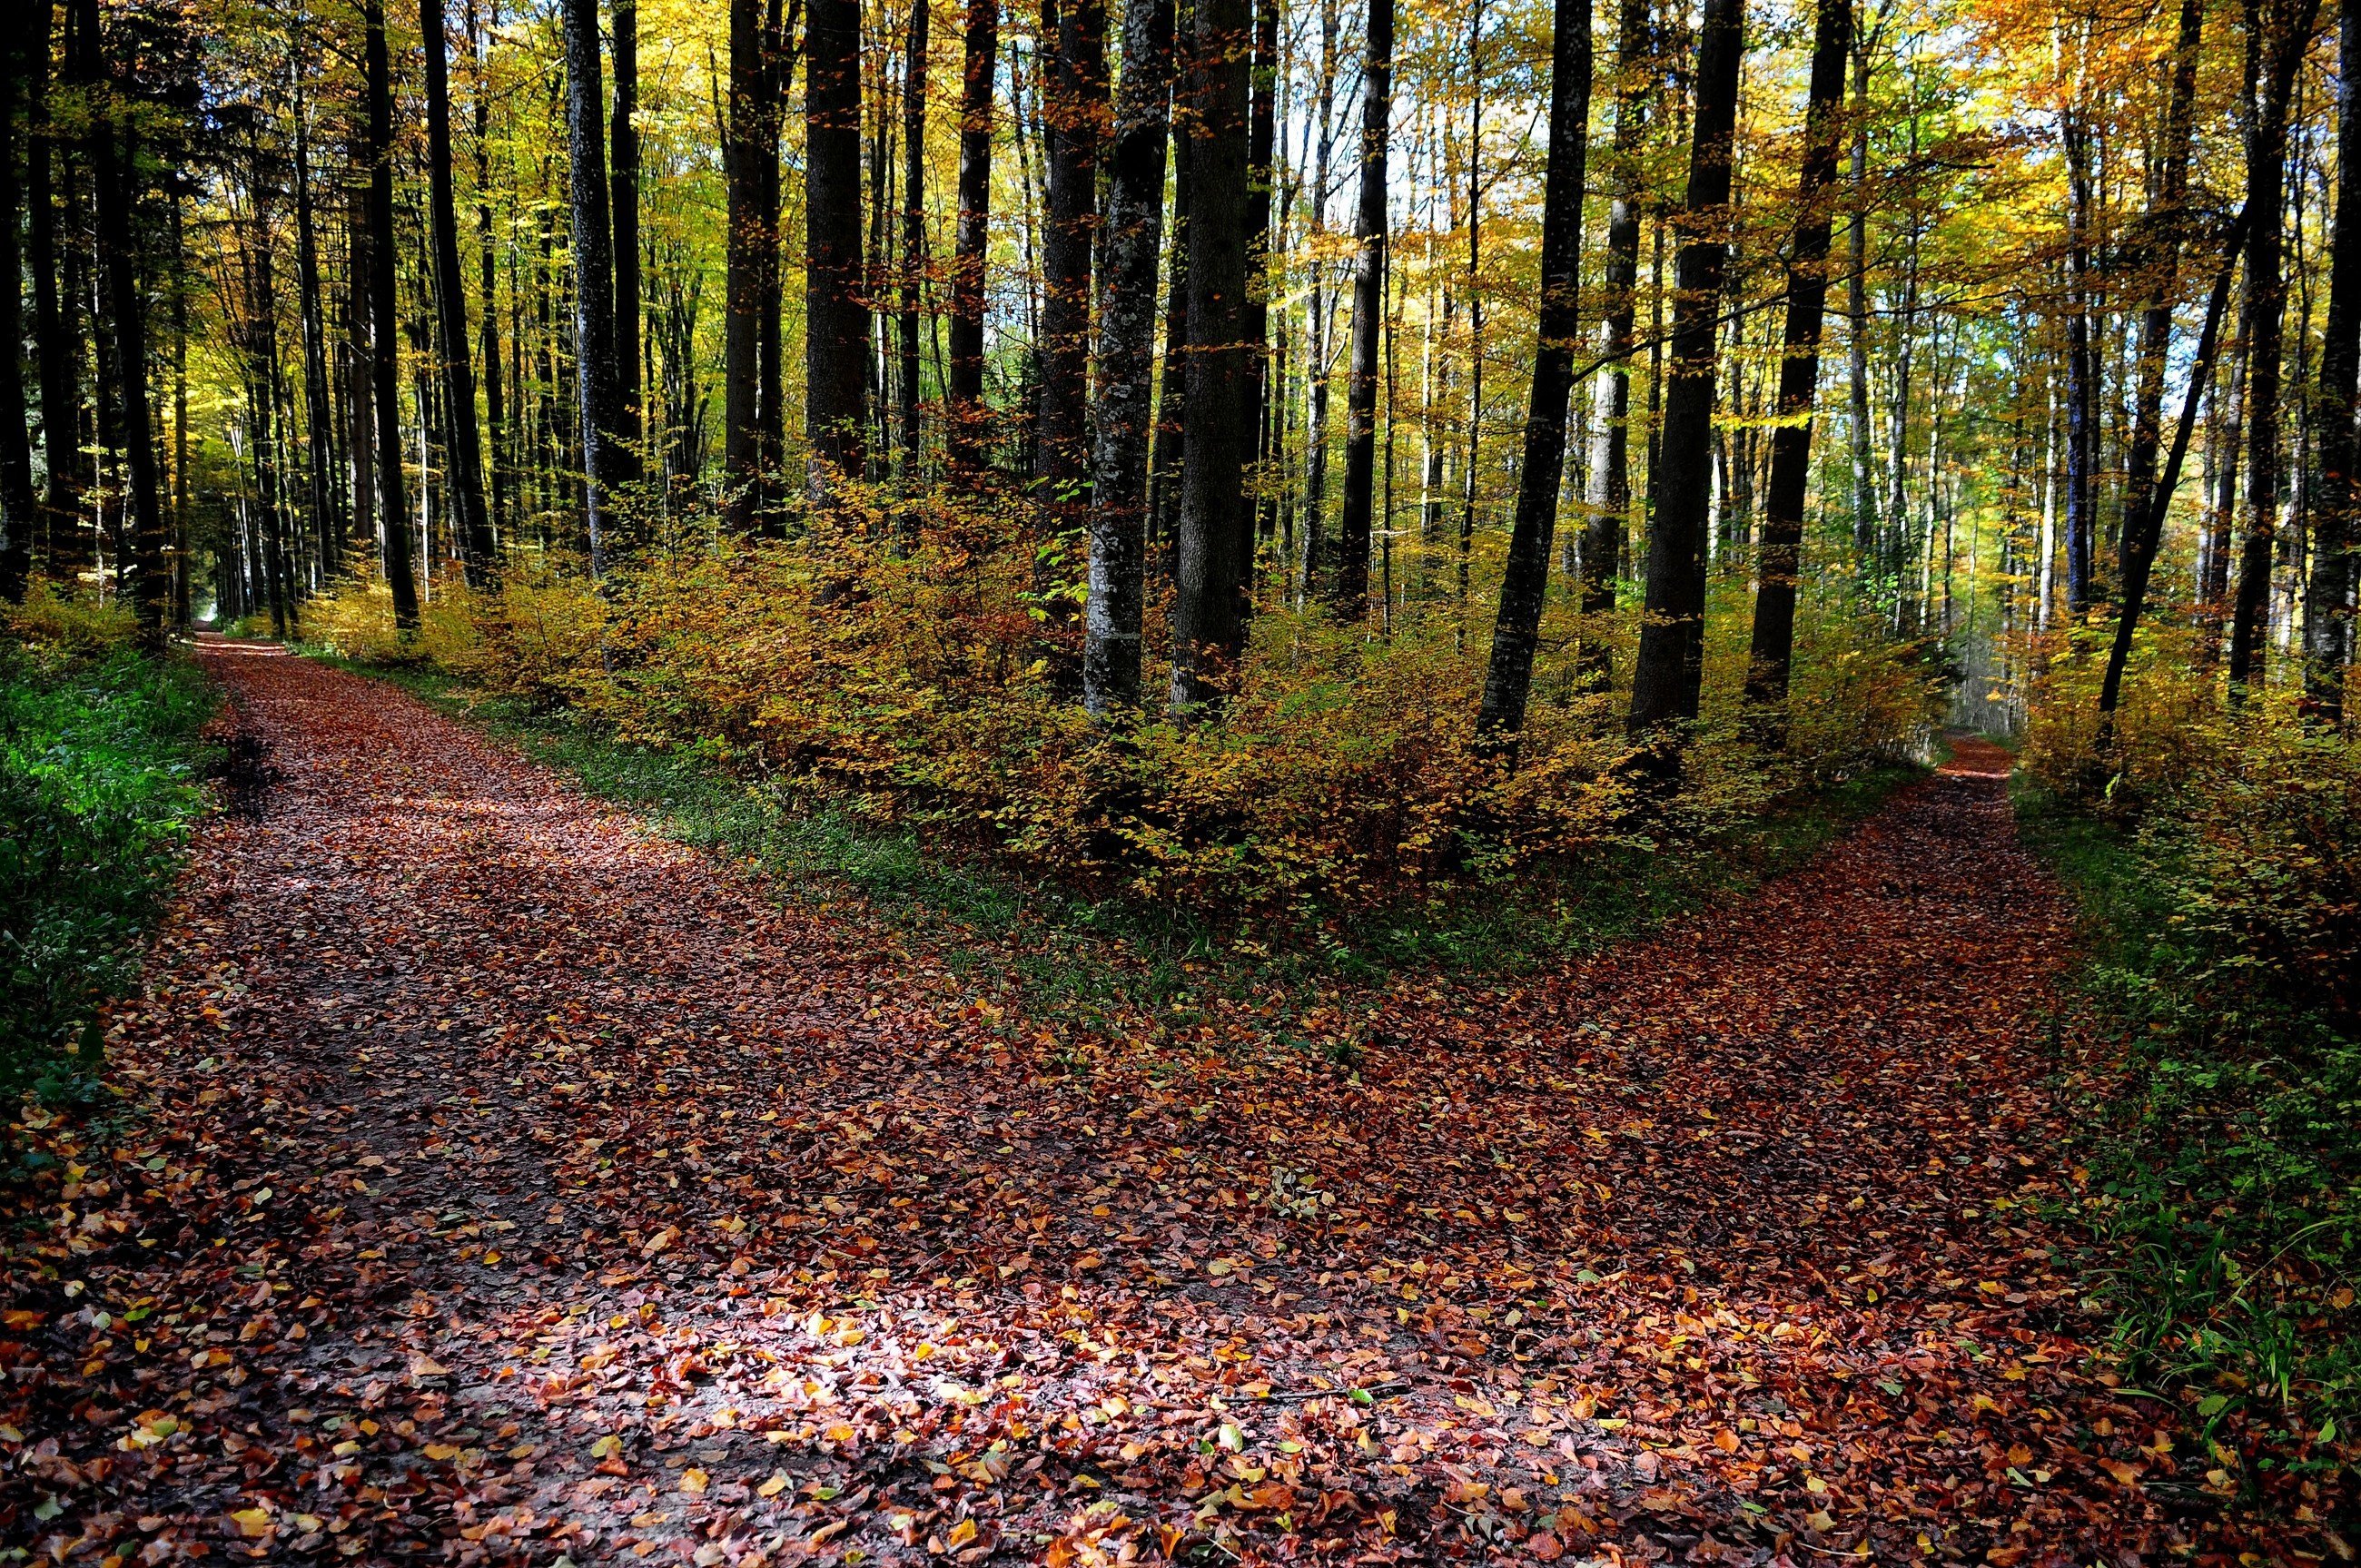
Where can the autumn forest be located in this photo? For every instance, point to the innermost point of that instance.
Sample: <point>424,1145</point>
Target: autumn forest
<point>1271,781</point>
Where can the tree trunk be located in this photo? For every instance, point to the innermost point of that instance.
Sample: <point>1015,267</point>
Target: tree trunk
<point>319,419</point>
<point>1865,475</point>
<point>597,378</point>
<point>963,426</point>
<point>1135,224</point>
<point>2157,255</point>
<point>463,445</point>
<point>623,192</point>
<point>1208,621</point>
<point>1780,562</point>
<point>1172,427</point>
<point>914,229</point>
<point>384,347</point>
<point>836,322</point>
<point>1350,591</point>
<point>1508,677</point>
<point>495,412</point>
<point>2082,369</point>
<point>2288,32</point>
<point>1610,441</point>
<point>55,361</point>
<point>1262,136</point>
<point>1072,107</point>
<point>751,262</point>
<point>2328,607</point>
<point>1670,666</point>
<point>17,505</point>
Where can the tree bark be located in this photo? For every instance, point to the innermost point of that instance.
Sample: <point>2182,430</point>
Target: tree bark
<point>836,321</point>
<point>2157,255</point>
<point>1610,495</point>
<point>2287,31</point>
<point>495,411</point>
<point>2328,607</point>
<point>1073,104</point>
<point>1209,621</point>
<point>360,417</point>
<point>597,379</point>
<point>1128,321</point>
<point>914,229</point>
<point>1772,651</point>
<point>2082,369</point>
<point>17,503</point>
<point>56,363</point>
<point>319,419</point>
<point>400,573</point>
<point>463,443</point>
<point>963,424</point>
<point>1864,474</point>
<point>1508,677</point>
<point>1262,136</point>
<point>1172,426</point>
<point>1670,666</point>
<point>623,192</point>
<point>1350,593</point>
<point>749,140</point>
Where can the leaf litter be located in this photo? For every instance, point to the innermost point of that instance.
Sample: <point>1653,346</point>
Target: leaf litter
<point>499,1181</point>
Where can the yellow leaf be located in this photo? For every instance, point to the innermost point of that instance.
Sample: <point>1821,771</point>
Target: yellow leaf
<point>1820,1519</point>
<point>692,1480</point>
<point>773,1486</point>
<point>442,1451</point>
<point>427,1366</point>
<point>1726,1440</point>
<point>962,1532</point>
<point>2128,1474</point>
<point>607,1447</point>
<point>252,1523</point>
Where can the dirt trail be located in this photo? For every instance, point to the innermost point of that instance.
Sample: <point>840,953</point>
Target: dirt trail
<point>508,1182</point>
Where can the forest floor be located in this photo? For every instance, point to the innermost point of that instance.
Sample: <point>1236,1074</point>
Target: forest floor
<point>498,1179</point>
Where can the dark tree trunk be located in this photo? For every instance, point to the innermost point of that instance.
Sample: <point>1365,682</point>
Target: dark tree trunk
<point>1073,105</point>
<point>385,347</point>
<point>1350,592</point>
<point>55,359</point>
<point>495,412</point>
<point>913,230</point>
<point>1262,137</point>
<point>770,372</point>
<point>2157,256</point>
<point>1865,476</point>
<point>17,505</point>
<point>1508,677</point>
<point>597,379</point>
<point>1781,561</point>
<point>836,321</point>
<point>319,418</point>
<point>2286,30</point>
<point>623,189</point>
<point>2082,369</point>
<point>360,417</point>
<point>1172,426</point>
<point>180,542</point>
<point>1134,221</point>
<point>1610,443</point>
<point>1209,621</point>
<point>1670,666</point>
<point>749,143</point>
<point>963,425</point>
<point>2328,607</point>
<point>463,444</point>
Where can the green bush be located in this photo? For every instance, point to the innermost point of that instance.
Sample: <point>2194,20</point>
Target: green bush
<point>101,781</point>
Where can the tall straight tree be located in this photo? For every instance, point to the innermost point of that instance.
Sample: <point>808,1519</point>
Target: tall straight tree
<point>55,361</point>
<point>1857,421</point>
<point>1508,676</point>
<point>2282,31</point>
<point>914,227</point>
<point>463,484</point>
<point>319,422</point>
<point>749,156</point>
<point>1781,562</point>
<point>623,190</point>
<point>1610,495</point>
<point>376,148</point>
<point>17,503</point>
<point>598,382</point>
<point>1669,669</point>
<point>964,416</point>
<point>1262,137</point>
<point>1127,319</point>
<point>1208,619</point>
<point>836,321</point>
<point>1350,589</point>
<point>2155,253</point>
<point>488,271</point>
<point>2328,608</point>
<point>1073,105</point>
<point>2081,370</point>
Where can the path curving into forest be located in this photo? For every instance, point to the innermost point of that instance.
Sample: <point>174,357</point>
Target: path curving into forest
<point>503,1181</point>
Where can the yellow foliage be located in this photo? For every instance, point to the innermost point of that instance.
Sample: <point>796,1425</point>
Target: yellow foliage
<point>75,624</point>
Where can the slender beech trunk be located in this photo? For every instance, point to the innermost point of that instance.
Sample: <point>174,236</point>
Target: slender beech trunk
<point>18,504</point>
<point>1135,225</point>
<point>2158,255</point>
<point>2328,607</point>
<point>1781,562</point>
<point>360,416</point>
<point>963,425</point>
<point>1475,436</point>
<point>597,379</point>
<point>319,419</point>
<point>1508,677</point>
<point>114,162</point>
<point>495,411</point>
<point>836,322</point>
<point>385,347</point>
<point>55,361</point>
<point>1172,426</point>
<point>180,542</point>
<point>1262,136</point>
<point>2286,30</point>
<point>749,142</point>
<point>623,199</point>
<point>1316,569</point>
<point>1670,667</point>
<point>914,229</point>
<point>2082,369</point>
<point>463,450</point>
<point>1610,441</point>
<point>1073,104</point>
<point>1208,620</point>
<point>1350,592</point>
<point>1864,468</point>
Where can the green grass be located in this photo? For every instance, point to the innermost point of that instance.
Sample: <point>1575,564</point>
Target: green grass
<point>102,770</point>
<point>1095,963</point>
<point>2223,1140</point>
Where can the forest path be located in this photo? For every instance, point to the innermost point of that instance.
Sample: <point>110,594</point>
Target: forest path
<point>510,1182</point>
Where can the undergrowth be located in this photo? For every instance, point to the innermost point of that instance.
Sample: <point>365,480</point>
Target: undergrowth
<point>102,767</point>
<point>2214,857</point>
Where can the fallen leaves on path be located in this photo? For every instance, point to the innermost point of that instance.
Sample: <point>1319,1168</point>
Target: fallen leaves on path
<point>499,1180</point>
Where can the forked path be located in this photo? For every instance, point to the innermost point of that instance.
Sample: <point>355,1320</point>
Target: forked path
<point>502,1181</point>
